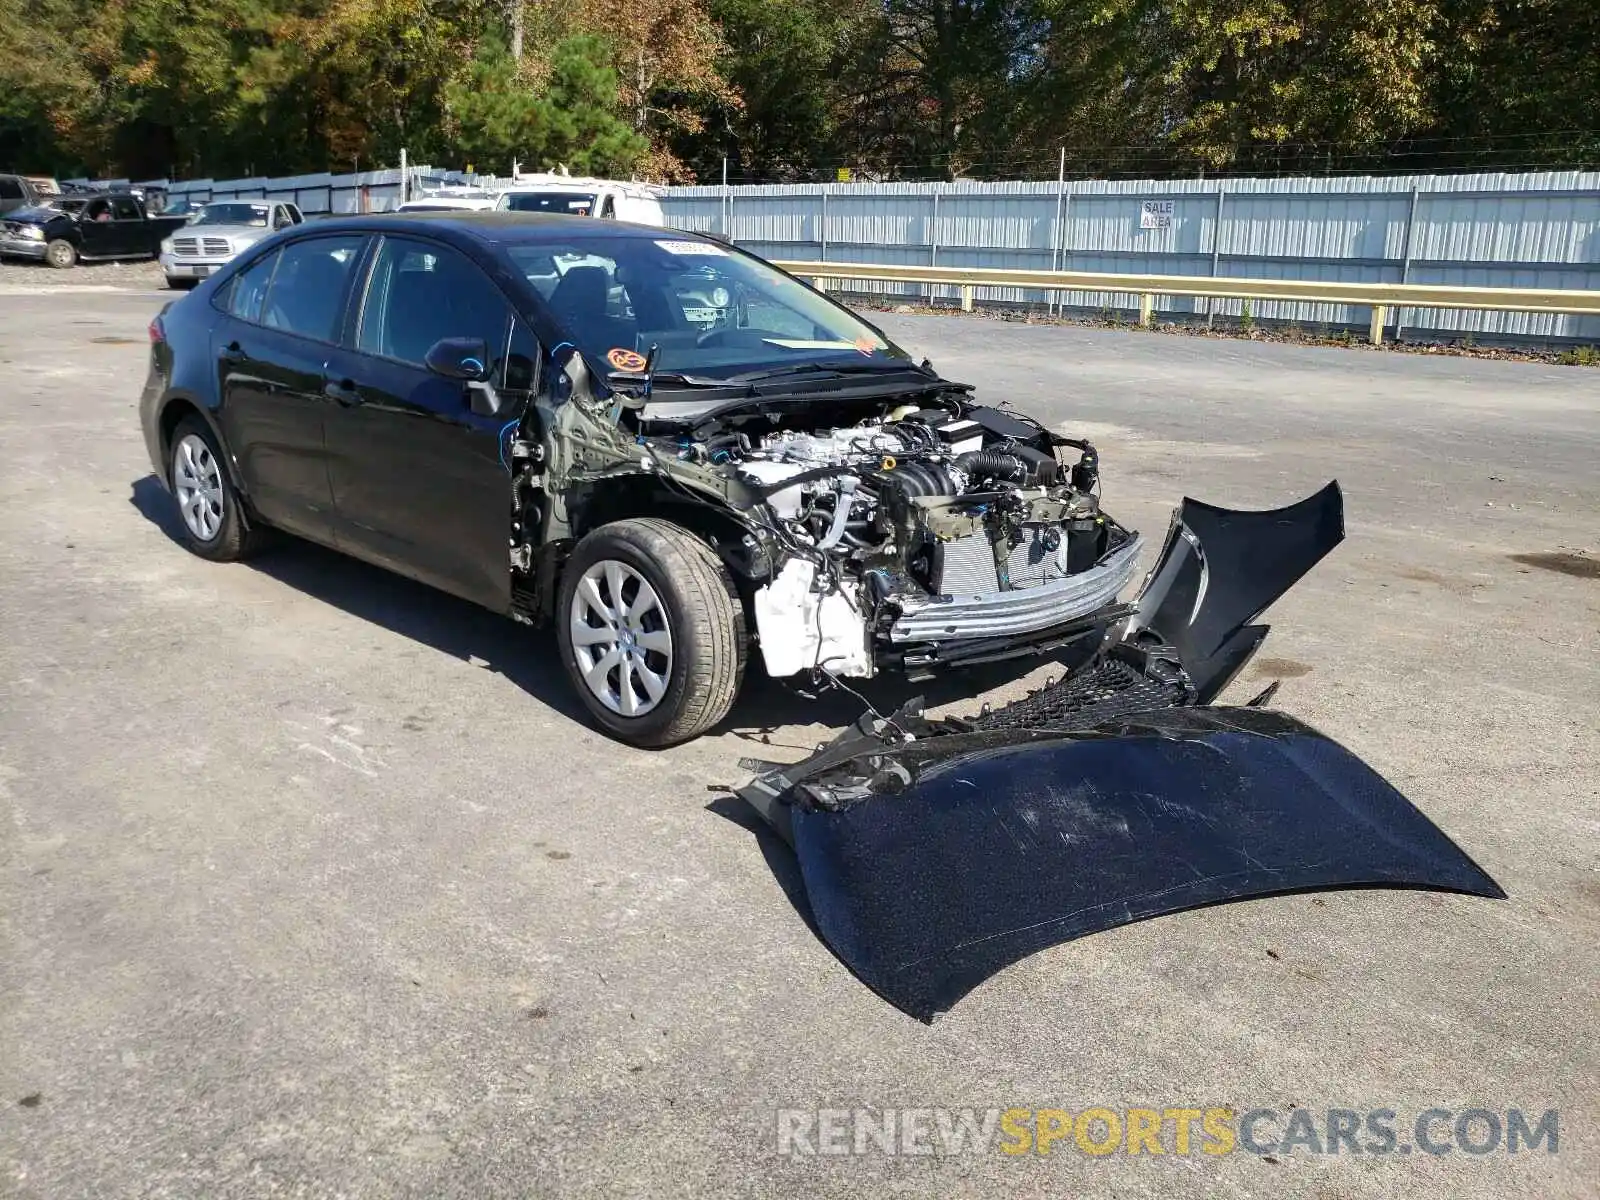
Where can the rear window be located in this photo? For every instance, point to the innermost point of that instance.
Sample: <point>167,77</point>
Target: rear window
<point>573,203</point>
<point>249,289</point>
<point>307,292</point>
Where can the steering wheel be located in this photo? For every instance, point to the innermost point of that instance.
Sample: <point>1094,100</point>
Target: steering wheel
<point>711,337</point>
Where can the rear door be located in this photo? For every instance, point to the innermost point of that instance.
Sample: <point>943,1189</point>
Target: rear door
<point>421,482</point>
<point>285,313</point>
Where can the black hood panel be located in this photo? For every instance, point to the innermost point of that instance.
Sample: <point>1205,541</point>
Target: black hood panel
<point>980,849</point>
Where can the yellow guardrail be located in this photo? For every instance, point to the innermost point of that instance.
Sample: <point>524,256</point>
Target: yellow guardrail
<point>1379,296</point>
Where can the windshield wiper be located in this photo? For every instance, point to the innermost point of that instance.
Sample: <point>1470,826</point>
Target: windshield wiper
<point>677,377</point>
<point>747,380</point>
<point>819,368</point>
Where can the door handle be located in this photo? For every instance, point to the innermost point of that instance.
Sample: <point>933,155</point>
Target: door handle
<point>234,354</point>
<point>344,392</point>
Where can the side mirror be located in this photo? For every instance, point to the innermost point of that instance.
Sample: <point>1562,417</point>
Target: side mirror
<point>466,359</point>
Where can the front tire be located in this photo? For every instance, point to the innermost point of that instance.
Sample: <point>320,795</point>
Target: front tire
<point>61,254</point>
<point>179,284</point>
<point>209,509</point>
<point>651,632</point>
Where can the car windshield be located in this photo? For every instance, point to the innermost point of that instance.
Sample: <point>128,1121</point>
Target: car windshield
<point>710,310</point>
<point>234,214</point>
<point>573,203</point>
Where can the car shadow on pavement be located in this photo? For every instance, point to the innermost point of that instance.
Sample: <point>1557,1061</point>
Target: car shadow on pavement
<point>527,657</point>
<point>767,710</point>
<point>780,858</point>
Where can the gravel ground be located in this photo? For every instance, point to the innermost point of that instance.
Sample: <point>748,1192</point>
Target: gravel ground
<point>314,883</point>
<point>16,273</point>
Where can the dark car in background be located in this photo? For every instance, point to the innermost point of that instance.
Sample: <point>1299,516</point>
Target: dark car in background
<point>84,227</point>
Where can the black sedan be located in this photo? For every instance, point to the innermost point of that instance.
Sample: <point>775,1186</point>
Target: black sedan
<point>670,449</point>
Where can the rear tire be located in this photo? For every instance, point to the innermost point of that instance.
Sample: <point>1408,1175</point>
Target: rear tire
<point>180,285</point>
<point>651,632</point>
<point>61,254</point>
<point>209,510</point>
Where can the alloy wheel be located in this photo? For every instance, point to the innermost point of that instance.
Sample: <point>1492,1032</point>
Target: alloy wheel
<point>621,638</point>
<point>197,483</point>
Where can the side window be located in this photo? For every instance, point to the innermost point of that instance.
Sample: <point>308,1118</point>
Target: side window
<point>124,209</point>
<point>420,293</point>
<point>250,289</point>
<point>307,293</point>
<point>294,215</point>
<point>10,189</point>
<point>98,210</point>
<point>608,209</point>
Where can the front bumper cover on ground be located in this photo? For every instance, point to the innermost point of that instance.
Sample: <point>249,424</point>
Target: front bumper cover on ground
<point>934,853</point>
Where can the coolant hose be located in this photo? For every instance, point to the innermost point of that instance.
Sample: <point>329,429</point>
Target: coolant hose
<point>841,512</point>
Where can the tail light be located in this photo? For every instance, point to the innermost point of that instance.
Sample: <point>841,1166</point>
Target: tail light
<point>158,332</point>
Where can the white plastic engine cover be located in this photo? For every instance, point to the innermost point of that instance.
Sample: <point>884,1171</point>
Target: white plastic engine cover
<point>785,503</point>
<point>802,628</point>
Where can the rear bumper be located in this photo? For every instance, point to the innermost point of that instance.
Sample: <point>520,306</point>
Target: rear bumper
<point>1013,614</point>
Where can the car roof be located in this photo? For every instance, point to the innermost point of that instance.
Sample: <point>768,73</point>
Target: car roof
<point>498,228</point>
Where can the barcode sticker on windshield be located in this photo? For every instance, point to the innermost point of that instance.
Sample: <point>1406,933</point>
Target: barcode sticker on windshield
<point>695,248</point>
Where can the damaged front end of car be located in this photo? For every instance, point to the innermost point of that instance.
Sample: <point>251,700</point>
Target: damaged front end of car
<point>936,852</point>
<point>875,522</point>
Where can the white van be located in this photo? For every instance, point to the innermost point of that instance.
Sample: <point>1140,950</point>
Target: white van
<point>607,199</point>
<point>444,199</point>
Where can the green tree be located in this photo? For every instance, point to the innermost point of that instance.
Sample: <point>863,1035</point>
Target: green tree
<point>783,59</point>
<point>932,88</point>
<point>496,117</point>
<point>582,127</point>
<point>570,119</point>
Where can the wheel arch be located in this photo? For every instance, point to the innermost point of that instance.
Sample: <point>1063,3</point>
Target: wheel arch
<point>735,539</point>
<point>741,545</point>
<point>174,409</point>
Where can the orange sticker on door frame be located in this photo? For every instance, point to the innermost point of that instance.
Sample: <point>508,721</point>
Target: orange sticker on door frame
<point>626,360</point>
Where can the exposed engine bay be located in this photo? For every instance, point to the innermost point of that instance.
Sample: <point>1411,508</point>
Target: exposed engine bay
<point>925,534</point>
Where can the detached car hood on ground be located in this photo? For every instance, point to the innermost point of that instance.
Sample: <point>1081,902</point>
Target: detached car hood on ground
<point>936,853</point>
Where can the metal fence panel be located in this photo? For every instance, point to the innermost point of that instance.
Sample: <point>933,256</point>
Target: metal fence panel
<point>1491,229</point>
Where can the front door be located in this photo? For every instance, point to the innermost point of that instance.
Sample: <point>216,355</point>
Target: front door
<point>422,484</point>
<point>130,232</point>
<point>98,225</point>
<point>285,313</point>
